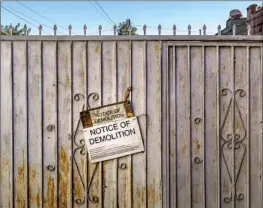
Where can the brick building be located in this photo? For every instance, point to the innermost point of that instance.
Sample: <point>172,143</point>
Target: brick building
<point>255,19</point>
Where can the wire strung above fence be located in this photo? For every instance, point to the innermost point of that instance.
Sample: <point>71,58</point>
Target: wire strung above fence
<point>159,28</point>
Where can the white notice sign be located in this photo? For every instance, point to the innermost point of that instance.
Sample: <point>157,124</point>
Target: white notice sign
<point>112,140</point>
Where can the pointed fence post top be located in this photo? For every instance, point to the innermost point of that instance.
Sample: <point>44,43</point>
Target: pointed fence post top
<point>144,29</point>
<point>159,29</point>
<point>85,29</point>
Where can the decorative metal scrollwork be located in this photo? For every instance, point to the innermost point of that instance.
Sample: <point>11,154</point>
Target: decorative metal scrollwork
<point>233,141</point>
<point>80,147</point>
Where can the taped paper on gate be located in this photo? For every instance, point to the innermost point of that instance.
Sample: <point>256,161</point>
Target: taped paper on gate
<point>113,139</point>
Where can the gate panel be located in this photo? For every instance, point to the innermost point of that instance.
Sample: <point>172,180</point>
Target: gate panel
<point>218,132</point>
<point>199,106</point>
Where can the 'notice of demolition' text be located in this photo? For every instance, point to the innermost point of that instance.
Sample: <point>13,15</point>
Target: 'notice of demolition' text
<point>112,140</point>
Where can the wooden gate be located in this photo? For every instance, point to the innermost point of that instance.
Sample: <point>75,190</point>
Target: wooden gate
<point>199,103</point>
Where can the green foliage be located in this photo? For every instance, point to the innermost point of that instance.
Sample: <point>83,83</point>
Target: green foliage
<point>14,30</point>
<point>123,28</point>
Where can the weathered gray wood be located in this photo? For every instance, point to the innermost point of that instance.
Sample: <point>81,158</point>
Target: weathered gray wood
<point>64,124</point>
<point>183,128</point>
<point>172,105</point>
<point>79,100</point>
<point>49,120</point>
<point>226,81</point>
<point>109,96</point>
<point>94,77</point>
<point>166,67</point>
<point>197,126</point>
<point>123,82</point>
<point>20,124</point>
<point>139,108</point>
<point>35,124</point>
<point>6,130</point>
<point>211,128</point>
<point>255,127</point>
<point>154,156</point>
<point>242,153</point>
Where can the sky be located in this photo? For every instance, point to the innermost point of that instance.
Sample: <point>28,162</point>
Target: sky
<point>151,13</point>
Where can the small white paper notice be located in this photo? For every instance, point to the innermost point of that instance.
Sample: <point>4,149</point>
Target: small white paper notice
<point>112,140</point>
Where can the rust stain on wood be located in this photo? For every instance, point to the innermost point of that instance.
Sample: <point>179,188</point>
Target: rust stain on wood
<point>20,191</point>
<point>34,189</point>
<point>50,195</point>
<point>153,195</point>
<point>63,178</point>
<point>140,197</point>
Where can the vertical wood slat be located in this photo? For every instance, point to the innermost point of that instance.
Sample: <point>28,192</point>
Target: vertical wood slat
<point>255,136</point>
<point>172,105</point>
<point>35,123</point>
<point>139,81</point>
<point>197,126</point>
<point>6,128</point>
<point>64,123</point>
<point>241,118</point>
<point>154,156</point>
<point>123,82</point>
<point>211,128</point>
<point>183,128</point>
<point>226,76</point>
<point>165,126</point>
<point>109,96</point>
<point>49,120</point>
<point>94,77</point>
<point>20,124</point>
<point>80,156</point>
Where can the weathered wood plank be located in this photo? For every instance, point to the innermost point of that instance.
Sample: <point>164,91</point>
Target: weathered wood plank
<point>95,86</point>
<point>139,108</point>
<point>6,124</point>
<point>109,96</point>
<point>124,81</point>
<point>50,124</point>
<point>172,102</point>
<point>211,128</point>
<point>241,125</point>
<point>35,124</point>
<point>79,103</point>
<point>183,128</point>
<point>20,124</point>
<point>255,127</point>
<point>197,126</point>
<point>154,155</point>
<point>226,82</point>
<point>64,123</point>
